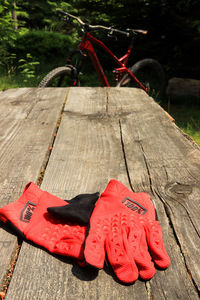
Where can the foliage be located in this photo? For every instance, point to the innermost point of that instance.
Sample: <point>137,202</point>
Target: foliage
<point>17,80</point>
<point>173,29</point>
<point>44,46</point>
<point>32,31</point>
<point>173,26</point>
<point>10,63</point>
<point>7,32</point>
<point>38,13</point>
<point>186,115</point>
<point>28,67</point>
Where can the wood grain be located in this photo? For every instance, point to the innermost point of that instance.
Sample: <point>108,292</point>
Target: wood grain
<point>28,120</point>
<point>164,163</point>
<point>87,153</point>
<point>122,134</point>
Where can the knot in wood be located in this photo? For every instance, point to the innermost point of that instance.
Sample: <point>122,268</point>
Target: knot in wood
<point>178,190</point>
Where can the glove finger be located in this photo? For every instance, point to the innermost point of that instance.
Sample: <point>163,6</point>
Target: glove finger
<point>156,245</point>
<point>78,210</point>
<point>119,254</point>
<point>139,248</point>
<point>94,250</point>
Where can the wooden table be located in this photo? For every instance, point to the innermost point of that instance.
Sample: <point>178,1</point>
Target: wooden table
<point>75,140</point>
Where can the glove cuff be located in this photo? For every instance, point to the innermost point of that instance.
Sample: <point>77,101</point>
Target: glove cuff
<point>18,214</point>
<point>121,196</point>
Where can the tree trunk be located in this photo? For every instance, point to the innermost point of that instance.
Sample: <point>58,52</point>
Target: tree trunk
<point>178,87</point>
<point>14,16</point>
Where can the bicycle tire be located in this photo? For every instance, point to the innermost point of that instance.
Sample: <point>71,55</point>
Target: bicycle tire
<point>61,76</point>
<point>150,73</point>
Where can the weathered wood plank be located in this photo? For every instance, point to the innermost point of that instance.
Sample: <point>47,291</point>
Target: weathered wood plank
<point>97,101</point>
<point>163,162</point>
<point>28,119</point>
<point>124,135</point>
<point>87,153</point>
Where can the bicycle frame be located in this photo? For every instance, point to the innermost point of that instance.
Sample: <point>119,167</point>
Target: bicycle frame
<point>86,44</point>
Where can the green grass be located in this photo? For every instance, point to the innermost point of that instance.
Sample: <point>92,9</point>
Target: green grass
<point>187,118</point>
<point>12,82</point>
<point>17,81</point>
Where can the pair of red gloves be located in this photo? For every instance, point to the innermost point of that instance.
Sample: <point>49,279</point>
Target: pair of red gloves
<point>120,223</point>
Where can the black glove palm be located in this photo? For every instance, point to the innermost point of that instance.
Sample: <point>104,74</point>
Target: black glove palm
<point>78,210</point>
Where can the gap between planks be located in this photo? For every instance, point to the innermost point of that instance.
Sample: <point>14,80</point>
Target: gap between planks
<point>8,276</point>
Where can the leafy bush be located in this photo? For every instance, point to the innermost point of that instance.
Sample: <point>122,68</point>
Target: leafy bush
<point>27,67</point>
<point>44,46</point>
<point>7,35</point>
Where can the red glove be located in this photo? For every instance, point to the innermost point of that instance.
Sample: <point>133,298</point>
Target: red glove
<point>124,225</point>
<point>30,218</point>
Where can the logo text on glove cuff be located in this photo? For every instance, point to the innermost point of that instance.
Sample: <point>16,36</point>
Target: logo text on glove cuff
<point>135,206</point>
<point>27,212</point>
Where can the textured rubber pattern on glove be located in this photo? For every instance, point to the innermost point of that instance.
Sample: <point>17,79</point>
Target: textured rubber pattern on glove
<point>123,224</point>
<point>29,216</point>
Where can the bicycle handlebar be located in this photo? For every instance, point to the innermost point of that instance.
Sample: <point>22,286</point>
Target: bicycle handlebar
<point>110,29</point>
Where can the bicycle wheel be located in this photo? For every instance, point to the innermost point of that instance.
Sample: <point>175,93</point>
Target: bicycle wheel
<point>60,77</point>
<point>150,73</point>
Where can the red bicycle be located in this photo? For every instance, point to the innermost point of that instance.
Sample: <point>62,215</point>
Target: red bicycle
<point>146,74</point>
